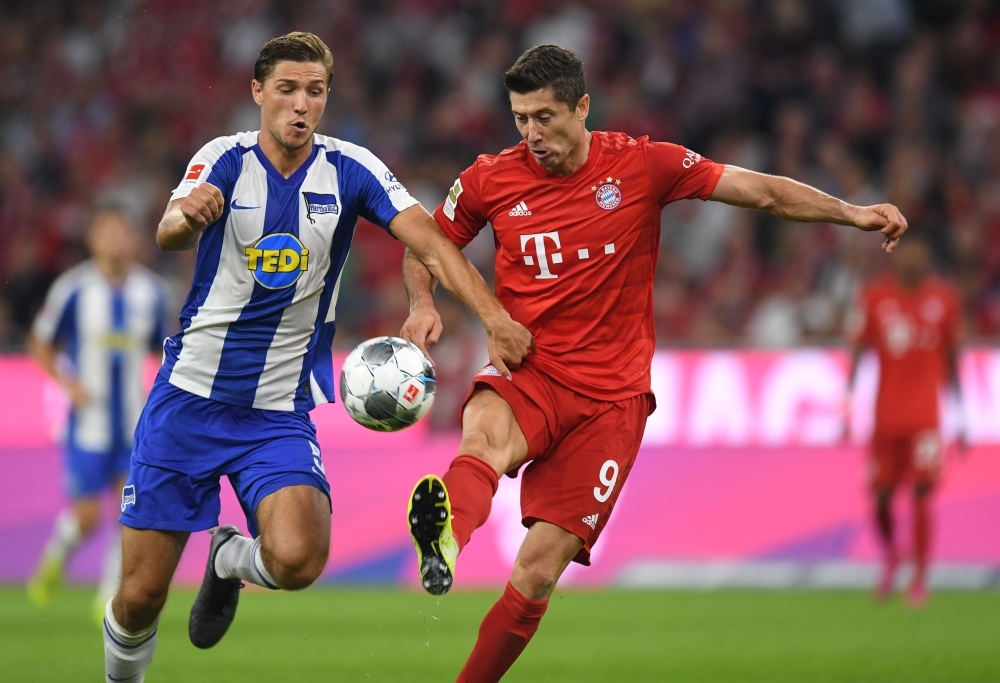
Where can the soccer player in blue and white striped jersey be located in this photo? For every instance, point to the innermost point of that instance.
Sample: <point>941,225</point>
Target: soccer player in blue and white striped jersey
<point>272,214</point>
<point>99,323</point>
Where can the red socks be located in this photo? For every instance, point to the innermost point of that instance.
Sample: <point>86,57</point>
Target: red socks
<point>503,635</point>
<point>921,529</point>
<point>512,621</point>
<point>471,484</point>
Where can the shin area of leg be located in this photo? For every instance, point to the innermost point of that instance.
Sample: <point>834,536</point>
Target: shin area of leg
<point>510,624</point>
<point>149,559</point>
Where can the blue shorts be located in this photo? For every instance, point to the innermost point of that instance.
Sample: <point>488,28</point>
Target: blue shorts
<point>88,472</point>
<point>184,444</point>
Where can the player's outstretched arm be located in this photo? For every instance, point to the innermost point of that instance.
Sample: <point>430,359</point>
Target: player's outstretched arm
<point>795,201</point>
<point>509,341</point>
<point>423,326</point>
<point>185,218</point>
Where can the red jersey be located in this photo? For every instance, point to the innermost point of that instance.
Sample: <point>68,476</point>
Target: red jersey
<point>576,255</point>
<point>913,333</point>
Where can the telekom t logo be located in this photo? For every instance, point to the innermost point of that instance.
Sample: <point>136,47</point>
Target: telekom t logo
<point>543,263</point>
<point>543,257</point>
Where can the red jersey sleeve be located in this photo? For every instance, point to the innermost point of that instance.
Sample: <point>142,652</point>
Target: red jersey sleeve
<point>678,173</point>
<point>462,215</point>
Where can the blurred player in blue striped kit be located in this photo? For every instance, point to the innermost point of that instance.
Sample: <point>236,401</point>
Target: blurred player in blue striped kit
<point>100,321</point>
<point>272,214</point>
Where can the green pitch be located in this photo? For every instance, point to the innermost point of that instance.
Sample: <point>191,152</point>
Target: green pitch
<point>587,637</point>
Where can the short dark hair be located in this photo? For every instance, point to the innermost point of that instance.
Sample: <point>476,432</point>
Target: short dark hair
<point>294,47</point>
<point>548,65</point>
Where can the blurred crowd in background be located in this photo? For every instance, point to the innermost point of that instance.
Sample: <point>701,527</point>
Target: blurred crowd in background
<point>870,100</point>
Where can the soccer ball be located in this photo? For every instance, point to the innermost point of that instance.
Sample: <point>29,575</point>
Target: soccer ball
<point>387,384</point>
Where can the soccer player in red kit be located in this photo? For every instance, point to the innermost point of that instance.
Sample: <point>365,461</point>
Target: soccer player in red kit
<point>911,319</point>
<point>576,215</point>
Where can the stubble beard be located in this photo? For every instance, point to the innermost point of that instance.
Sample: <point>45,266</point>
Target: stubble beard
<point>284,144</point>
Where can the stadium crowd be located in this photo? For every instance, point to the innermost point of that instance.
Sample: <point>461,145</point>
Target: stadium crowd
<point>870,100</point>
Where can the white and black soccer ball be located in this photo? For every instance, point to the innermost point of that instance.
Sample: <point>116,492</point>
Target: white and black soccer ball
<point>387,384</point>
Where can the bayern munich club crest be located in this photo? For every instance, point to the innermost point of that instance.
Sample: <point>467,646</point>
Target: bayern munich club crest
<point>608,195</point>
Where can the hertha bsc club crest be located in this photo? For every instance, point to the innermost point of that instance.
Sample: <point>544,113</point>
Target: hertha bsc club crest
<point>608,195</point>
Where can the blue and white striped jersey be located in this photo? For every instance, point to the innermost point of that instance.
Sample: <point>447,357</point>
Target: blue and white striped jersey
<point>257,327</point>
<point>106,332</point>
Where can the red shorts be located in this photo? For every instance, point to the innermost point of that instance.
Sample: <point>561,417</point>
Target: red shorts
<point>899,457</point>
<point>580,450</point>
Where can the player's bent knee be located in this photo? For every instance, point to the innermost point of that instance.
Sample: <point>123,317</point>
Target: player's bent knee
<point>294,576</point>
<point>477,444</point>
<point>295,564</point>
<point>496,441</point>
<point>537,578</point>
<point>136,595</point>
<point>139,604</point>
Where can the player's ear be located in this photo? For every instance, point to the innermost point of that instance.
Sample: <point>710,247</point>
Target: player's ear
<point>257,90</point>
<point>583,107</point>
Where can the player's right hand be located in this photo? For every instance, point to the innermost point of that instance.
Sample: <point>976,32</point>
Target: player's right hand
<point>884,218</point>
<point>508,343</point>
<point>423,327</point>
<point>203,206</point>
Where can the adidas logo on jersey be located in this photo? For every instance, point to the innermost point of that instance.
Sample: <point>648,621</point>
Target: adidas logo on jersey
<point>520,210</point>
<point>591,521</point>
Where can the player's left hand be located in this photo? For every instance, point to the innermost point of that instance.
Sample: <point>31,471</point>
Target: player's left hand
<point>423,327</point>
<point>884,218</point>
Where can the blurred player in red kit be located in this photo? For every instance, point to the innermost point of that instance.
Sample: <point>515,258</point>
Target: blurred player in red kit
<point>911,319</point>
<point>576,216</point>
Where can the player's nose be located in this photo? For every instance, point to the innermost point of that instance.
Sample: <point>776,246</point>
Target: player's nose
<point>534,132</point>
